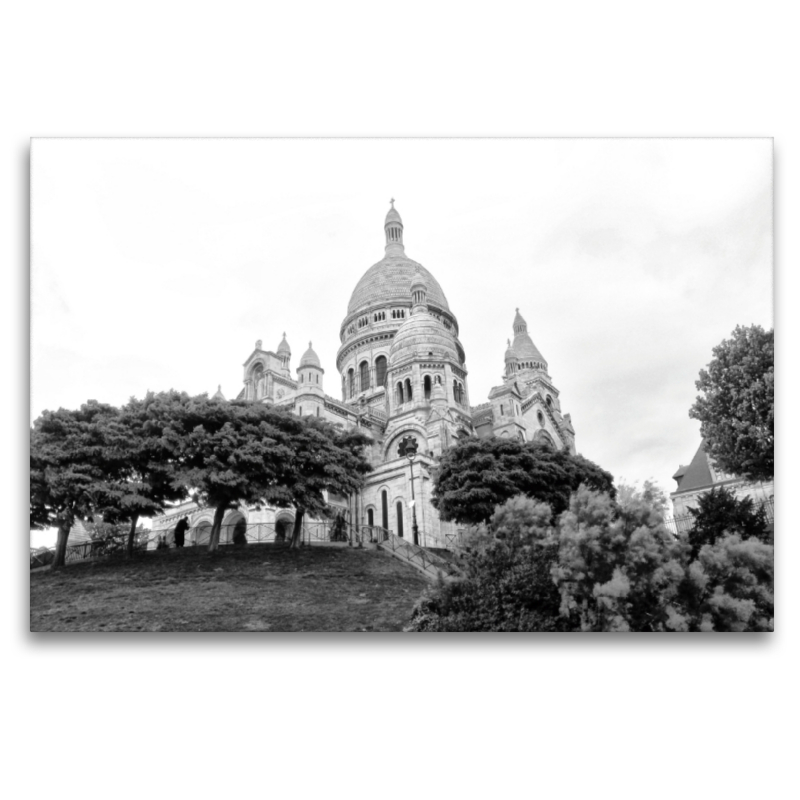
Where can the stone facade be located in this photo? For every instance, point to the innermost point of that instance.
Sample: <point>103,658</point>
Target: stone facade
<point>403,378</point>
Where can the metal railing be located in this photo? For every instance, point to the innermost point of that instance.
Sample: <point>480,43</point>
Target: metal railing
<point>684,523</point>
<point>416,555</point>
<point>315,531</point>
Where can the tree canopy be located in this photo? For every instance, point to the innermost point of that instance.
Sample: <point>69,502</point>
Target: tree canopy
<point>325,459</point>
<point>149,458</point>
<point>477,475</point>
<point>232,453</point>
<point>736,405</point>
<point>72,468</point>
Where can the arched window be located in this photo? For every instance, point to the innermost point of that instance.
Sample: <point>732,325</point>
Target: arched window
<point>549,401</point>
<point>380,370</point>
<point>257,374</point>
<point>351,382</point>
<point>398,393</point>
<point>370,517</point>
<point>399,518</point>
<point>363,371</point>
<point>385,509</point>
<point>427,387</point>
<point>409,395</point>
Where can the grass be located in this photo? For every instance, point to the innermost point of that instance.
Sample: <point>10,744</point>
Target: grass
<point>254,588</point>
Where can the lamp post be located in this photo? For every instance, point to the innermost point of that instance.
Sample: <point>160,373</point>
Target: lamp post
<point>409,450</point>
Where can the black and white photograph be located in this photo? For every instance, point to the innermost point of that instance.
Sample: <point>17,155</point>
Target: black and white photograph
<point>411,385</point>
<point>374,371</point>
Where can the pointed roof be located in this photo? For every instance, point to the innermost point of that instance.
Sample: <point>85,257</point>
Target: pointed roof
<point>283,347</point>
<point>697,474</point>
<point>523,347</point>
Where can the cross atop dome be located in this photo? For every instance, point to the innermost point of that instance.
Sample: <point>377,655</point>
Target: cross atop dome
<point>393,226</point>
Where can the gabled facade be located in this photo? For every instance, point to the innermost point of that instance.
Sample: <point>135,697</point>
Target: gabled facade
<point>701,475</point>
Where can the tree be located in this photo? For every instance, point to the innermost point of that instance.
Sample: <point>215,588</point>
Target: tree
<point>736,407</point>
<point>71,468</point>
<point>477,475</point>
<point>149,459</point>
<point>232,453</point>
<point>325,459</point>
<point>719,512</point>
<point>507,584</point>
<point>619,568</point>
<point>729,587</point>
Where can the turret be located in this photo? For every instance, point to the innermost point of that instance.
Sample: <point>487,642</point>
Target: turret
<point>310,372</point>
<point>419,293</point>
<point>285,355</point>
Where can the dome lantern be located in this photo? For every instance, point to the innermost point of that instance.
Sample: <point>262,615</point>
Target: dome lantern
<point>393,227</point>
<point>419,293</point>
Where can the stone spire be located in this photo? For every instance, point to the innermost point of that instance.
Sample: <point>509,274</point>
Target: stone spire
<point>527,353</point>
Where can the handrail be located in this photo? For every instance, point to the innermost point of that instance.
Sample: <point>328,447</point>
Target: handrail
<point>415,553</point>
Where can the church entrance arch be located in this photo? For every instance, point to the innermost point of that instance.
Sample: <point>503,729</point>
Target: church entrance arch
<point>202,532</point>
<point>234,523</point>
<point>284,525</point>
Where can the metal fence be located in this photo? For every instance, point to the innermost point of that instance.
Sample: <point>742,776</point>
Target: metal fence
<point>199,536</point>
<point>684,523</point>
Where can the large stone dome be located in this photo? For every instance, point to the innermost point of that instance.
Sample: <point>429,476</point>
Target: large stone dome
<point>389,281</point>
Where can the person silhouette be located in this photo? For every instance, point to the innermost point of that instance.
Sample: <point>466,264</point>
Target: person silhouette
<point>180,531</point>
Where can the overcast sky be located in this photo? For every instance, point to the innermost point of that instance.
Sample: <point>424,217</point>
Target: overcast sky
<point>157,264</point>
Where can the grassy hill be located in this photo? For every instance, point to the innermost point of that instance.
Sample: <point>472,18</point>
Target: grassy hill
<point>255,588</point>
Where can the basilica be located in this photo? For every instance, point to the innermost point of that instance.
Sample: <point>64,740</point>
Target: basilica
<point>402,377</point>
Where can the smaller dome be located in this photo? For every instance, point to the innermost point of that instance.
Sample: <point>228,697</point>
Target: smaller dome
<point>283,347</point>
<point>310,358</point>
<point>510,354</point>
<point>422,334</point>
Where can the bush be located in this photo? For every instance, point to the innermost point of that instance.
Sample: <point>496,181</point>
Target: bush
<point>603,566</point>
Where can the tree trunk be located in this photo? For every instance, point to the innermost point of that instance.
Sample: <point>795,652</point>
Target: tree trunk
<point>131,534</point>
<point>298,527</point>
<point>213,542</point>
<point>61,545</point>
